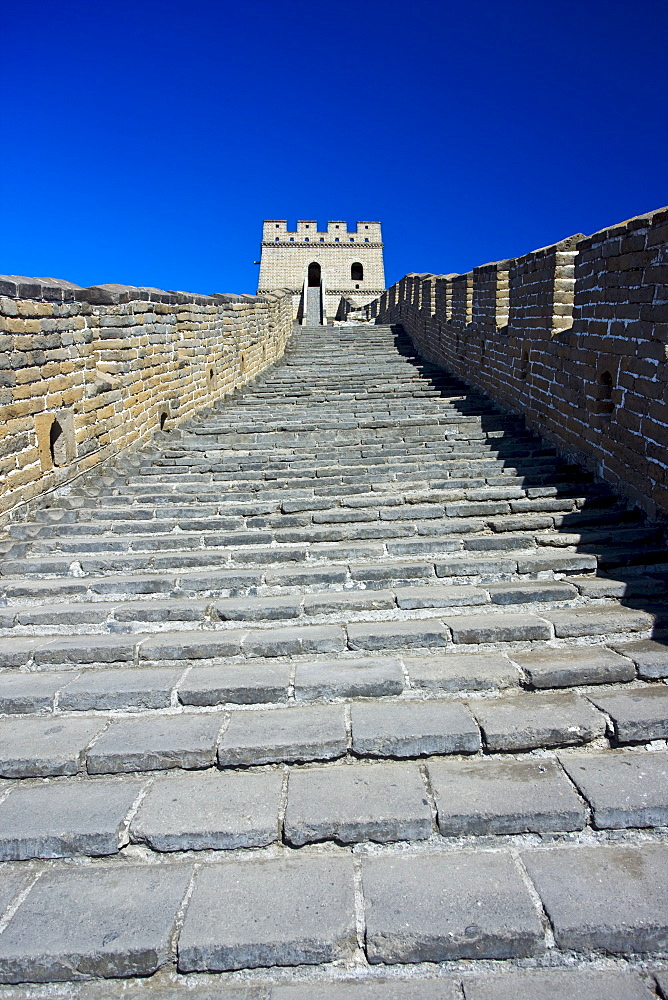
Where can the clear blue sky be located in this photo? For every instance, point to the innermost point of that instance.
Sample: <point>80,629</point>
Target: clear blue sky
<point>143,142</point>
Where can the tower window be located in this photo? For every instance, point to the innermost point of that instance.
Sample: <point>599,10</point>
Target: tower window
<point>352,239</point>
<point>322,239</point>
<point>336,239</point>
<point>276,240</point>
<point>356,272</point>
<point>292,239</point>
<point>366,239</point>
<point>306,239</point>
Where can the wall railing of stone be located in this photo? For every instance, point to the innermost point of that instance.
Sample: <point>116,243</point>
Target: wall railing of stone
<point>87,372</point>
<point>574,336</point>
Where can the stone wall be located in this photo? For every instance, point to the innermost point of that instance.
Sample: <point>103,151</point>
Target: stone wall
<point>574,336</point>
<point>86,372</point>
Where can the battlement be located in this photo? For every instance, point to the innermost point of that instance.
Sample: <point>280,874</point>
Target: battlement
<point>337,232</point>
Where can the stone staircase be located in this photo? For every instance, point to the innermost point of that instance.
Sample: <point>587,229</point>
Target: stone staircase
<point>349,689</point>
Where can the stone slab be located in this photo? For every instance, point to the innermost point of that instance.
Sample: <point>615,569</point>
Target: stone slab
<point>16,652</point>
<point>497,628</point>
<point>559,984</point>
<point>410,598</point>
<point>387,989</point>
<point>355,802</point>
<point>65,818</point>
<point>86,649</point>
<point>613,898</point>
<point>526,591</point>
<point>146,687</point>
<point>264,736</point>
<point>293,641</point>
<point>279,911</point>
<point>434,907</point>
<point>11,883</point>
<point>624,789</point>
<point>413,729</point>
<point>156,742</point>
<point>42,747</point>
<point>461,672</point>
<point>341,678</point>
<point>650,657</point>
<point>554,668</point>
<point>593,619</point>
<point>210,811</point>
<point>397,635</point>
<point>331,603</point>
<point>526,721</point>
<point>206,644</point>
<point>504,796</point>
<point>118,923</point>
<point>639,715</point>
<point>26,693</point>
<point>240,683</point>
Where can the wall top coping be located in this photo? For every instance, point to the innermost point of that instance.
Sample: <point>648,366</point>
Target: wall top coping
<point>16,286</point>
<point>653,218</point>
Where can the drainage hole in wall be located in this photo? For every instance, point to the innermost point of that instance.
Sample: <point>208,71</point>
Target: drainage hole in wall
<point>163,420</point>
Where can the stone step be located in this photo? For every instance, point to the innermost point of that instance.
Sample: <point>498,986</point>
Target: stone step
<point>353,802</point>
<point>343,646</point>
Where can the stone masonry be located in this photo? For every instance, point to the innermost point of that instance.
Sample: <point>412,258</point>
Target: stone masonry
<point>573,336</point>
<point>350,263</point>
<point>86,372</point>
<point>343,685</point>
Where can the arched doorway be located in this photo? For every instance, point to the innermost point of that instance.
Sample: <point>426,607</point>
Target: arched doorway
<point>314,275</point>
<point>356,272</point>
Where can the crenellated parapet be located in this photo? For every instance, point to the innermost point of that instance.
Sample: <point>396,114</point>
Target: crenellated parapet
<point>574,336</point>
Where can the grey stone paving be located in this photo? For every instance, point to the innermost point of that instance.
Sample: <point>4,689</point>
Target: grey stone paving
<point>523,721</point>
<point>295,911</point>
<point>28,693</point>
<point>559,984</point>
<point>348,803</point>
<point>240,683</point>
<point>64,818</point>
<point>556,668</point>
<point>291,734</point>
<point>435,907</point>
<point>155,743</point>
<point>413,729</point>
<point>122,688</point>
<point>623,789</point>
<point>638,715</point>
<point>210,811</point>
<point>40,747</point>
<point>463,672</point>
<point>118,923</point>
<point>614,898</point>
<point>504,796</point>
<point>650,657</point>
<point>413,989</point>
<point>293,615</point>
<point>362,678</point>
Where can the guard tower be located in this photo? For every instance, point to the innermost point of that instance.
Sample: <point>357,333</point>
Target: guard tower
<point>324,270</point>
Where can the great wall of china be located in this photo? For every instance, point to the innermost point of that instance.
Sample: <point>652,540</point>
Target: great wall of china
<point>334,658</point>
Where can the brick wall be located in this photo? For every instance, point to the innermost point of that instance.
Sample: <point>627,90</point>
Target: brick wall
<point>574,336</point>
<point>86,372</point>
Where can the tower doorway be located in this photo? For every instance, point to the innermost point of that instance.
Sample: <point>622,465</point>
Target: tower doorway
<point>314,275</point>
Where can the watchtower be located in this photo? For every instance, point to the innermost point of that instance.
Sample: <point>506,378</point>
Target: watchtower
<point>324,270</point>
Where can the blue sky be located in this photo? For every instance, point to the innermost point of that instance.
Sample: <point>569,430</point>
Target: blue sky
<point>145,141</point>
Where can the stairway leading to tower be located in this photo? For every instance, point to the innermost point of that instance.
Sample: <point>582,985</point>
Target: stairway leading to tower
<point>347,689</point>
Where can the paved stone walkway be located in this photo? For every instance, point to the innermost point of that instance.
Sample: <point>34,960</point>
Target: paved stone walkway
<point>349,689</point>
